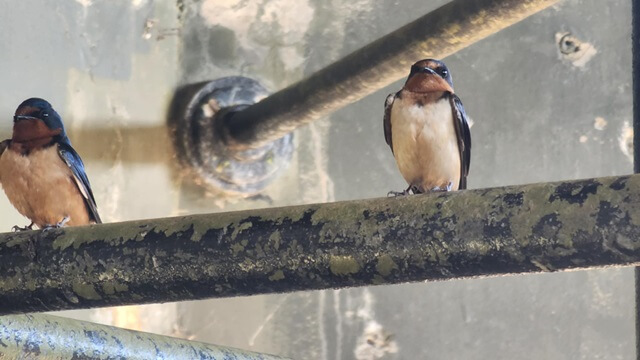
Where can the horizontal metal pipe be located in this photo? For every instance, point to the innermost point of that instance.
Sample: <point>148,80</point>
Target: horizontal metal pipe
<point>50,337</point>
<point>515,229</point>
<point>438,34</point>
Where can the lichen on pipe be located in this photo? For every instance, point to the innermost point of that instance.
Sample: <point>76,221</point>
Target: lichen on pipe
<point>485,232</point>
<point>438,34</point>
<point>43,336</point>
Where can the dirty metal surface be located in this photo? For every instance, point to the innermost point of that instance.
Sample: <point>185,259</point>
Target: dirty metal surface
<point>518,229</point>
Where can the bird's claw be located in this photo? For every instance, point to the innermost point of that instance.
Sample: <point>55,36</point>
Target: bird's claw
<point>397,193</point>
<point>17,228</point>
<point>450,186</point>
<point>62,223</point>
<point>445,189</point>
<point>405,192</point>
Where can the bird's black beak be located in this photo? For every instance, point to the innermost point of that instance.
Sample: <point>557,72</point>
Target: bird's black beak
<point>426,70</point>
<point>17,118</point>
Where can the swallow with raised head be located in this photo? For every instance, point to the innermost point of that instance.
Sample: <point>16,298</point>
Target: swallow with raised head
<point>426,128</point>
<point>41,173</point>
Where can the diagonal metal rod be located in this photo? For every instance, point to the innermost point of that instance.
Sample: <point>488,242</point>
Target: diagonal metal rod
<point>438,34</point>
<point>485,232</point>
<point>50,337</point>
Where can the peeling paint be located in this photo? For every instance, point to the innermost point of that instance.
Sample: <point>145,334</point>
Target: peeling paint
<point>625,141</point>
<point>260,27</point>
<point>274,239</point>
<point>385,265</point>
<point>600,123</point>
<point>278,275</point>
<point>578,52</point>
<point>84,3</point>
<point>343,265</point>
<point>139,3</point>
<point>239,229</point>
<point>111,287</point>
<point>86,291</point>
<point>375,343</point>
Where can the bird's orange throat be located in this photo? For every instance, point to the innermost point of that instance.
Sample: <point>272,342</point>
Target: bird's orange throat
<point>427,83</point>
<point>29,134</point>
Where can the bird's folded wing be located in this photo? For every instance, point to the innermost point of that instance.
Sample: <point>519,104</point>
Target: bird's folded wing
<point>388,104</point>
<point>464,138</point>
<point>74,162</point>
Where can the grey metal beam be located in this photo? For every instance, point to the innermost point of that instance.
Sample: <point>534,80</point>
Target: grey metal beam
<point>50,337</point>
<point>484,232</point>
<point>438,34</point>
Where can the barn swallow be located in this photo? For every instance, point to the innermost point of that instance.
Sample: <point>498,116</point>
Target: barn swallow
<point>41,173</point>
<point>426,128</point>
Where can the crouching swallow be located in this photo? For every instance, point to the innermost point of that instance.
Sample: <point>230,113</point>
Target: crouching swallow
<point>426,127</point>
<point>42,175</point>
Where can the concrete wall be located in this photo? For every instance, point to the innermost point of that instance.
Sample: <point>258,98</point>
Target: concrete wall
<point>111,68</point>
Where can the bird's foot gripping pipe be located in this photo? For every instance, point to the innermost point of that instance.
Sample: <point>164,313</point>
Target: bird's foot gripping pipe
<point>17,228</point>
<point>398,193</point>
<point>62,223</point>
<point>408,191</point>
<point>445,189</point>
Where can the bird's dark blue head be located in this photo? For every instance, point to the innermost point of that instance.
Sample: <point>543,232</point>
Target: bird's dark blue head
<point>425,69</point>
<point>36,119</point>
<point>432,66</point>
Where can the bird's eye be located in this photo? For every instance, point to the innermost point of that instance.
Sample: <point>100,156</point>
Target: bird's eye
<point>443,72</point>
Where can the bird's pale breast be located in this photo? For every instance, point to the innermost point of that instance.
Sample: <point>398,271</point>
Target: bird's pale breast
<point>42,187</point>
<point>425,143</point>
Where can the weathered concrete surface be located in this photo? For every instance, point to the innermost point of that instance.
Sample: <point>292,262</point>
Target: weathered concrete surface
<point>539,116</point>
<point>112,83</point>
<point>536,119</point>
<point>442,32</point>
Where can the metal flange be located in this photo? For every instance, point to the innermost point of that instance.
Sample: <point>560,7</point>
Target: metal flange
<point>199,114</point>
